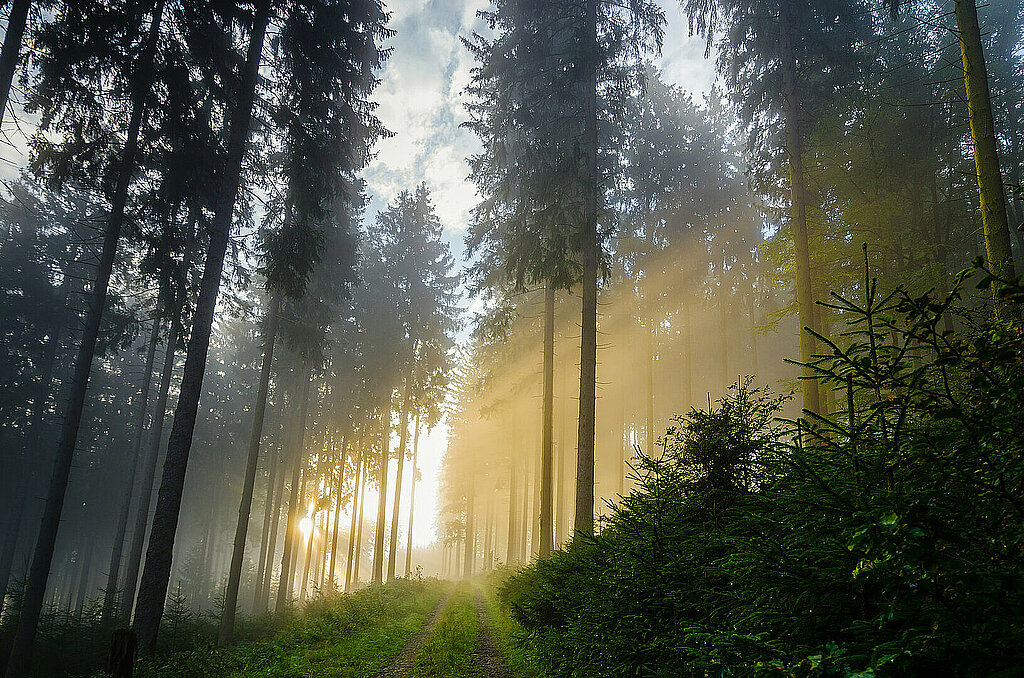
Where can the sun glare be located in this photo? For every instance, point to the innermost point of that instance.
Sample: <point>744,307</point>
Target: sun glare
<point>306,525</point>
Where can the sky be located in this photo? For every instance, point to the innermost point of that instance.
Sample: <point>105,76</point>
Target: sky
<point>421,101</point>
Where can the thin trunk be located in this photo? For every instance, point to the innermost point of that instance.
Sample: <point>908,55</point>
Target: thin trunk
<point>470,545</point>
<point>35,586</point>
<point>284,583</point>
<point>227,618</point>
<point>488,526</point>
<point>110,594</point>
<point>412,496</point>
<point>262,604</point>
<point>510,550</point>
<point>307,560</point>
<point>385,449</point>
<point>524,514</point>
<point>584,522</point>
<point>134,558</point>
<point>359,526</point>
<point>547,433</point>
<point>83,580</point>
<point>17,18</point>
<point>268,516</point>
<point>337,509</point>
<point>986,154</point>
<point>356,504</point>
<point>649,378</point>
<point>403,440</point>
<point>798,208</point>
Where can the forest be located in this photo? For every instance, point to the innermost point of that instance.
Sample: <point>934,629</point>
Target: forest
<point>514,338</point>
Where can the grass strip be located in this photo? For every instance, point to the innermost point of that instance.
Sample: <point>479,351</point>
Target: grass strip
<point>448,651</point>
<point>345,636</point>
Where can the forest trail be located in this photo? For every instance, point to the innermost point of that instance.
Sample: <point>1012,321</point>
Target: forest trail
<point>487,659</point>
<point>433,648</point>
<point>401,665</point>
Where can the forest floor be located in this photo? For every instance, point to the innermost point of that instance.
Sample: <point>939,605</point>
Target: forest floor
<point>405,629</point>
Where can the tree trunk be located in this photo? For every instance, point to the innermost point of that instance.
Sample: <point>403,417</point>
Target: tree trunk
<point>547,437</point>
<point>385,449</point>
<point>798,207</point>
<point>412,496</point>
<point>262,604</point>
<point>337,509</point>
<point>110,594</point>
<point>32,447</point>
<point>83,580</point>
<point>134,558</point>
<point>470,545</point>
<point>227,618</point>
<point>17,18</point>
<point>510,550</point>
<point>359,526</point>
<point>356,505</point>
<point>284,588</point>
<point>403,440</point>
<point>649,377</point>
<point>35,586</point>
<point>155,576</point>
<point>268,518</point>
<point>584,523</point>
<point>524,514</point>
<point>986,155</point>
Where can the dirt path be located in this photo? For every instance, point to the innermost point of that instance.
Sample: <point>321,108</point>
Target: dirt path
<point>487,660</point>
<point>401,663</point>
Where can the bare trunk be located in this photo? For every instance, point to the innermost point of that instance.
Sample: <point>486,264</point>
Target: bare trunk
<point>356,504</point>
<point>17,19</point>
<point>412,496</point>
<point>385,449</point>
<point>510,550</point>
<point>547,425</point>
<point>265,546</point>
<point>798,208</point>
<point>470,545</point>
<point>227,618</point>
<point>111,591</point>
<point>403,439</point>
<point>584,523</point>
<point>284,583</point>
<point>35,586</point>
<point>986,154</point>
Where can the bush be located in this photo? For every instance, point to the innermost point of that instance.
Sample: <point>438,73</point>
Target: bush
<point>885,540</point>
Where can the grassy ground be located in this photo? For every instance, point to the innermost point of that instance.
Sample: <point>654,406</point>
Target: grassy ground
<point>515,646</point>
<point>340,637</point>
<point>448,649</point>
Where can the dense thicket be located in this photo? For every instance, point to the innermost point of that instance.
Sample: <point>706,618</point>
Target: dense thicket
<point>880,541</point>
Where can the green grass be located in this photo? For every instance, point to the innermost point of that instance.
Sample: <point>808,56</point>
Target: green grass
<point>339,637</point>
<point>448,649</point>
<point>515,646</point>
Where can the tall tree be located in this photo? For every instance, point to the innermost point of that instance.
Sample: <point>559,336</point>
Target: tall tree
<point>78,23</point>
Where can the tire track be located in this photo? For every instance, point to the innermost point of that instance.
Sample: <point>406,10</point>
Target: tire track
<point>487,659</point>
<point>401,664</point>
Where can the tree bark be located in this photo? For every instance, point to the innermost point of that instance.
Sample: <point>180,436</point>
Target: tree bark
<point>403,440</point>
<point>798,207</point>
<point>470,544</point>
<point>156,574</point>
<point>284,585</point>
<point>359,525</point>
<point>356,505</point>
<point>412,496</point>
<point>113,571</point>
<point>337,508</point>
<point>268,517</point>
<point>649,377</point>
<point>35,586</point>
<point>986,154</point>
<point>385,449</point>
<point>547,425</point>
<point>227,618</point>
<point>511,556</point>
<point>584,523</point>
<point>17,19</point>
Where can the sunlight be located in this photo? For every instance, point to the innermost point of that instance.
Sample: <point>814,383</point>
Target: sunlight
<point>306,525</point>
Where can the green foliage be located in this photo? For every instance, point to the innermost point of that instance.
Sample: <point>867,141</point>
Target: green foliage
<point>882,541</point>
<point>349,635</point>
